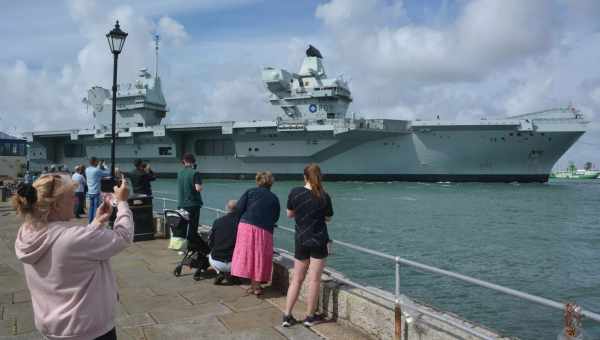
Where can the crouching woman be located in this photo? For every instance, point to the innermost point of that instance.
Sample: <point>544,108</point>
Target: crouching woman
<point>67,268</point>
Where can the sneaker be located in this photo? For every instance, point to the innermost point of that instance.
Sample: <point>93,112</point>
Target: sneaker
<point>288,320</point>
<point>313,320</point>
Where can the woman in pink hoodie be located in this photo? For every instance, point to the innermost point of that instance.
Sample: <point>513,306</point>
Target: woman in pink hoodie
<point>67,268</point>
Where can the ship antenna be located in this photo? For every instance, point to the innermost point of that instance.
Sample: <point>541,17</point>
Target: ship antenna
<point>156,40</point>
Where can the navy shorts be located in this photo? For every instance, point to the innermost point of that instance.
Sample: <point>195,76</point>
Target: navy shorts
<point>304,253</point>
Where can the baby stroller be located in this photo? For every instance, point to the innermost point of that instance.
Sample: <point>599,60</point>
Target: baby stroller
<point>196,250</point>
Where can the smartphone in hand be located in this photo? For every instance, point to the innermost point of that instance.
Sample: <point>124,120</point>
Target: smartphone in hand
<point>108,183</point>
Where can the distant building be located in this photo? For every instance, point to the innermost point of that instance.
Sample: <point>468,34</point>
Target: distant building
<point>13,155</point>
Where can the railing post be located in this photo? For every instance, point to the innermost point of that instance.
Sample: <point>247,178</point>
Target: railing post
<point>397,309</point>
<point>164,205</point>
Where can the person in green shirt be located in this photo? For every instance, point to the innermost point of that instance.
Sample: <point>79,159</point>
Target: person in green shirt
<point>189,197</point>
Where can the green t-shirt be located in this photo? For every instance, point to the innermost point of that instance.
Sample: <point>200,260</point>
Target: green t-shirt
<point>187,196</point>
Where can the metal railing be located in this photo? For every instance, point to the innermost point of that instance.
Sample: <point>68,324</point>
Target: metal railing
<point>423,267</point>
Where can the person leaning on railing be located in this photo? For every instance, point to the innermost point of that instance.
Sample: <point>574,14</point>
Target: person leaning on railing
<point>311,208</point>
<point>73,289</point>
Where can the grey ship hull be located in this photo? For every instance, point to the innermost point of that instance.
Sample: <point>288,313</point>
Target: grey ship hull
<point>373,150</point>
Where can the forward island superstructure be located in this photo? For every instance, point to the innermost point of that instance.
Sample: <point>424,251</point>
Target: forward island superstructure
<point>311,124</point>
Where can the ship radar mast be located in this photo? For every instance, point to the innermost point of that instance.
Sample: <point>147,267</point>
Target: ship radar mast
<point>156,41</point>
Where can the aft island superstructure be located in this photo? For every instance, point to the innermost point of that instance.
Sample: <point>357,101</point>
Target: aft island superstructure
<point>311,124</point>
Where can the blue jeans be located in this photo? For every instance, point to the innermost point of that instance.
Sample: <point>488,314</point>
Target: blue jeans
<point>94,204</point>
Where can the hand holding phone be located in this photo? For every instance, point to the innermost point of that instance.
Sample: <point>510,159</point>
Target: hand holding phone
<point>121,191</point>
<point>104,212</point>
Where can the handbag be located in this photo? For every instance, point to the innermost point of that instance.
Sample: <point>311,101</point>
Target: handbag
<point>178,243</point>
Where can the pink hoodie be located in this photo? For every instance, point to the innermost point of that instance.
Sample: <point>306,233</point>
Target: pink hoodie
<point>67,268</point>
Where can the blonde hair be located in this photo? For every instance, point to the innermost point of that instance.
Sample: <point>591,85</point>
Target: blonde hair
<point>36,202</point>
<point>264,179</point>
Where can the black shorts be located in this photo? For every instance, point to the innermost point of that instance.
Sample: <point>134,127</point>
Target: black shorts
<point>304,253</point>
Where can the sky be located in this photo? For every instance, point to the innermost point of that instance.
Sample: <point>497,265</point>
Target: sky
<point>406,59</point>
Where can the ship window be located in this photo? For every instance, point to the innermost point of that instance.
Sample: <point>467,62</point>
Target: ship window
<point>8,149</point>
<point>74,150</point>
<point>165,151</point>
<point>249,149</point>
<point>330,115</point>
<point>511,134</point>
<point>214,147</point>
<point>255,149</point>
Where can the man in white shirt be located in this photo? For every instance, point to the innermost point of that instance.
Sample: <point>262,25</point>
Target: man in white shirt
<point>79,191</point>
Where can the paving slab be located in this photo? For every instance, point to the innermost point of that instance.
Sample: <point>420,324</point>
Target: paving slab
<point>256,334</point>
<point>257,318</point>
<point>211,293</point>
<point>205,328</point>
<point>21,296</point>
<point>298,332</point>
<point>185,313</point>
<point>5,298</point>
<point>150,303</point>
<point>8,327</point>
<point>22,314</point>
<point>29,336</point>
<point>11,284</point>
<point>136,333</point>
<point>247,302</point>
<point>135,320</point>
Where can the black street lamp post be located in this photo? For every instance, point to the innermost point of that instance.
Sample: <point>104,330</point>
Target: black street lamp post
<point>116,40</point>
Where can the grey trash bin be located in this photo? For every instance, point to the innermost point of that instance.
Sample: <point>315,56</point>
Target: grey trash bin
<point>4,193</point>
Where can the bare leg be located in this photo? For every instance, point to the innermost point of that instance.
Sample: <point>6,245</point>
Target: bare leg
<point>300,268</point>
<point>255,286</point>
<point>314,282</point>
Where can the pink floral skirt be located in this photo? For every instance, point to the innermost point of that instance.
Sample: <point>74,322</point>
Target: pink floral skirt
<point>253,253</point>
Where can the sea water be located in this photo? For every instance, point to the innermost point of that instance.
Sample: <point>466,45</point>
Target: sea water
<point>542,239</point>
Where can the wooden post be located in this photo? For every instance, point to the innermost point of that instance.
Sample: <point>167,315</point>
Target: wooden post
<point>397,322</point>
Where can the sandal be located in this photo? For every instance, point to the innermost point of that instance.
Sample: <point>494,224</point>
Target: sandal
<point>258,292</point>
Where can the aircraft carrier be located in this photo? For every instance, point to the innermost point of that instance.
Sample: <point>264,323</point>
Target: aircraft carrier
<point>312,124</point>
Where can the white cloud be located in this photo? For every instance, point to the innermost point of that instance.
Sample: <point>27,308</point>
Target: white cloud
<point>171,30</point>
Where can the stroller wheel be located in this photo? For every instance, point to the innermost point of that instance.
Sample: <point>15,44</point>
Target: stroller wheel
<point>177,271</point>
